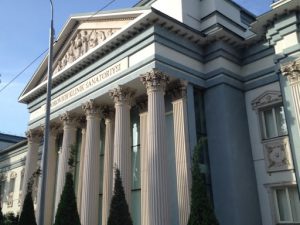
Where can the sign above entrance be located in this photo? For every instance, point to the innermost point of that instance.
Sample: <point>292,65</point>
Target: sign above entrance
<point>83,87</point>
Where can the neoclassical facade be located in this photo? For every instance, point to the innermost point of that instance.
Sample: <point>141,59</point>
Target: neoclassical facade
<point>136,89</point>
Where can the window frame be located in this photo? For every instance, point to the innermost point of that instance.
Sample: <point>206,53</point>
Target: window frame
<point>262,121</point>
<point>271,189</point>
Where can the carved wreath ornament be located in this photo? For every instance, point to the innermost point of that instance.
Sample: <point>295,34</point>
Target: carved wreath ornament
<point>278,155</point>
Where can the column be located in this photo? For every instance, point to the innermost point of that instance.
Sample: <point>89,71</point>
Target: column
<point>90,186</point>
<point>182,153</point>
<point>82,123</point>
<point>122,146</point>
<point>51,170</point>
<point>69,140</point>
<point>155,83</point>
<point>142,105</point>
<point>108,114</point>
<point>34,138</point>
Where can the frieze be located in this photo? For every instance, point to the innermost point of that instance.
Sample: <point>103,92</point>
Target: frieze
<point>84,41</point>
<point>277,155</point>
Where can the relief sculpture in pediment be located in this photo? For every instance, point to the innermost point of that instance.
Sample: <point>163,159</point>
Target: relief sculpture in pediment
<point>84,41</point>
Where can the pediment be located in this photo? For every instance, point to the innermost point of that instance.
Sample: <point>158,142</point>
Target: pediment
<point>80,36</point>
<point>266,99</point>
<point>88,36</point>
<point>84,39</point>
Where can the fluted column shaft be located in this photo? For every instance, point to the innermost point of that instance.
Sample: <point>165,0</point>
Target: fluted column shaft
<point>108,164</point>
<point>69,140</point>
<point>90,186</point>
<point>156,149</point>
<point>182,155</point>
<point>122,143</point>
<point>144,168</point>
<point>81,168</point>
<point>34,139</point>
<point>50,183</point>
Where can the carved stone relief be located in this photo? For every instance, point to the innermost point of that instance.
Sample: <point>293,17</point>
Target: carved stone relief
<point>277,155</point>
<point>83,41</point>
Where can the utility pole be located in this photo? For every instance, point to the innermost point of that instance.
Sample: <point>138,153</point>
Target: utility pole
<point>47,125</point>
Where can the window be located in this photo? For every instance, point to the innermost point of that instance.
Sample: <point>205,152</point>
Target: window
<point>12,185</point>
<point>2,190</point>
<point>22,179</point>
<point>287,205</point>
<point>273,122</point>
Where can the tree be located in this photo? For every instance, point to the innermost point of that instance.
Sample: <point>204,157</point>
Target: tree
<point>202,212</point>
<point>119,211</point>
<point>1,216</point>
<point>67,213</point>
<point>27,216</point>
<point>11,219</point>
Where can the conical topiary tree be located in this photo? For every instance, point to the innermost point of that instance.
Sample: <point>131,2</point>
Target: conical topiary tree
<point>119,211</point>
<point>27,216</point>
<point>202,212</point>
<point>67,213</point>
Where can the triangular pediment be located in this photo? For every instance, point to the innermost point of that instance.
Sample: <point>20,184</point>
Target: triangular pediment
<point>266,99</point>
<point>82,36</point>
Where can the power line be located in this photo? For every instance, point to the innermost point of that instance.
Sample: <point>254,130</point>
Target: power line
<point>20,73</point>
<point>31,63</point>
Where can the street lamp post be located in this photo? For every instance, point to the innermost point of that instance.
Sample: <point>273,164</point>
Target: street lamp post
<point>41,218</point>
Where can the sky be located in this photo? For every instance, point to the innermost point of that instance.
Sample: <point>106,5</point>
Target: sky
<point>24,31</point>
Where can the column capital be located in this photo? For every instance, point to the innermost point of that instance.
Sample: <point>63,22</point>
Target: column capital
<point>155,80</point>
<point>122,94</point>
<point>292,71</point>
<point>34,136</point>
<point>55,128</point>
<point>68,119</point>
<point>142,103</point>
<point>91,108</point>
<point>108,112</point>
<point>81,122</point>
<point>177,89</point>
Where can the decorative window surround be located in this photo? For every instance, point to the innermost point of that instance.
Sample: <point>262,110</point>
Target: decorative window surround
<point>277,154</point>
<point>271,189</point>
<point>276,145</point>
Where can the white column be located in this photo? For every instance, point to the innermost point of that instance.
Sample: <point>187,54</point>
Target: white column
<point>122,144</point>
<point>51,170</point>
<point>143,161</point>
<point>155,83</point>
<point>90,186</point>
<point>182,154</point>
<point>108,162</point>
<point>69,140</point>
<point>81,165</point>
<point>34,138</point>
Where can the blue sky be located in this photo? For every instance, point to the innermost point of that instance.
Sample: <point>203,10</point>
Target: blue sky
<point>24,30</point>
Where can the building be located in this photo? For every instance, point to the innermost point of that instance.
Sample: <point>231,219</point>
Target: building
<point>136,88</point>
<point>7,140</point>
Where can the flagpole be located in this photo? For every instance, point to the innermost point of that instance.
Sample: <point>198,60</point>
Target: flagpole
<point>41,210</point>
